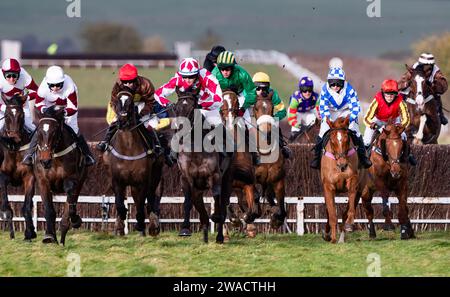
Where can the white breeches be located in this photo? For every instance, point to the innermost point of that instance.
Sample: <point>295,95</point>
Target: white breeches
<point>306,118</point>
<point>368,134</point>
<point>212,116</point>
<point>354,126</point>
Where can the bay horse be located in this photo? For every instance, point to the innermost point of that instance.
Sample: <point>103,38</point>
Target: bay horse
<point>388,173</point>
<point>306,135</point>
<point>59,167</point>
<point>240,177</point>
<point>271,174</point>
<point>199,167</point>
<point>132,164</point>
<point>339,174</point>
<point>425,124</point>
<point>12,171</point>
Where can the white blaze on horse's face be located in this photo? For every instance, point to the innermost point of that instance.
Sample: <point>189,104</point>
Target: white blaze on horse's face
<point>14,111</point>
<point>339,136</point>
<point>230,114</point>
<point>124,99</point>
<point>419,98</point>
<point>45,127</point>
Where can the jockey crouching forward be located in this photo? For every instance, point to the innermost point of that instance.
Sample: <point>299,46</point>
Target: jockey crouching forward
<point>142,90</point>
<point>15,80</point>
<point>263,89</point>
<point>302,107</point>
<point>200,82</point>
<point>388,105</point>
<point>58,89</point>
<point>233,77</point>
<point>339,99</point>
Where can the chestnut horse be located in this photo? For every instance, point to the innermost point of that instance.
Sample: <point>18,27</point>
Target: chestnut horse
<point>270,174</point>
<point>388,173</point>
<point>339,174</point>
<point>59,168</point>
<point>425,124</point>
<point>199,167</point>
<point>241,175</point>
<point>131,164</point>
<point>12,171</point>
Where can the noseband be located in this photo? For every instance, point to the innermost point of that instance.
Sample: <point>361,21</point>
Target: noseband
<point>335,156</point>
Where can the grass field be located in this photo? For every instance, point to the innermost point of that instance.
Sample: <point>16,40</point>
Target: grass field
<point>266,255</point>
<point>94,85</point>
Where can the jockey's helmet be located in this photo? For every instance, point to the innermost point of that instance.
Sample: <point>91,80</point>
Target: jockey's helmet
<point>10,65</point>
<point>188,67</point>
<point>226,59</point>
<point>128,72</point>
<point>306,82</point>
<point>389,86</point>
<point>261,79</point>
<point>426,59</point>
<point>54,75</point>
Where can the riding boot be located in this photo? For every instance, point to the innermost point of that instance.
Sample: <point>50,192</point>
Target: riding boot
<point>168,157</point>
<point>151,140</point>
<point>442,117</point>
<point>285,150</point>
<point>315,163</point>
<point>361,150</point>
<point>103,145</point>
<point>82,144</point>
<point>411,159</point>
<point>29,155</point>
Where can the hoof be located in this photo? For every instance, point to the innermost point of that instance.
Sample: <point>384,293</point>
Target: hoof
<point>326,236</point>
<point>251,231</point>
<point>30,235</point>
<point>139,228</point>
<point>154,227</point>
<point>348,227</point>
<point>76,221</point>
<point>185,232</point>
<point>48,238</point>
<point>406,232</point>
<point>388,227</point>
<point>142,233</point>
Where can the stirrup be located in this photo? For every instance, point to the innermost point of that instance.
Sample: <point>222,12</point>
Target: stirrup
<point>102,146</point>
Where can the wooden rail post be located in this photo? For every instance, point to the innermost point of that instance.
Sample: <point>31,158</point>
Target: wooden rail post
<point>300,216</point>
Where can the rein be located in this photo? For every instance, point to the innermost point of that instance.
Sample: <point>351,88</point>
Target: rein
<point>332,155</point>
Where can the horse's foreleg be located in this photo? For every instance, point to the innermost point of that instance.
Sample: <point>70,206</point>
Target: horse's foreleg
<point>406,230</point>
<point>197,200</point>
<point>5,209</point>
<point>351,207</point>
<point>216,217</point>
<point>368,209</point>
<point>28,207</point>
<point>253,210</point>
<point>329,195</point>
<point>153,209</point>
<point>50,214</point>
<point>187,207</point>
<point>139,197</point>
<point>419,135</point>
<point>278,217</point>
<point>387,212</point>
<point>119,193</point>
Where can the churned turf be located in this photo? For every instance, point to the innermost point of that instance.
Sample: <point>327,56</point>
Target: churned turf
<point>102,254</point>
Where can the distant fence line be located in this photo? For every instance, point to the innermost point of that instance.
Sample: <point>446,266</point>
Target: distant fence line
<point>300,220</point>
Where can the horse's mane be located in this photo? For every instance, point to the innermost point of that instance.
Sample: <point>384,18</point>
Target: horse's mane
<point>54,112</point>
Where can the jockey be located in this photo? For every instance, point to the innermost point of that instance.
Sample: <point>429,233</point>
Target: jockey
<point>262,83</point>
<point>339,99</point>
<point>211,58</point>
<point>435,79</point>
<point>200,81</point>
<point>58,89</point>
<point>302,107</point>
<point>143,91</point>
<point>15,79</point>
<point>387,105</point>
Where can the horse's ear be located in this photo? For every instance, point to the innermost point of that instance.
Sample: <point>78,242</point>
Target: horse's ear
<point>400,128</point>
<point>387,129</point>
<point>347,121</point>
<point>330,123</point>
<point>409,68</point>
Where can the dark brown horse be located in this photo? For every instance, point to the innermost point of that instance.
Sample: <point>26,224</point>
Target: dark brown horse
<point>59,168</point>
<point>388,173</point>
<point>199,168</point>
<point>339,174</point>
<point>425,124</point>
<point>241,174</point>
<point>132,164</point>
<point>270,174</point>
<point>306,135</point>
<point>12,171</point>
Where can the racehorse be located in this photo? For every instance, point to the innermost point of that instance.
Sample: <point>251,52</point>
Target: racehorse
<point>241,175</point>
<point>339,173</point>
<point>132,164</point>
<point>388,173</point>
<point>12,171</point>
<point>270,175</point>
<point>199,168</point>
<point>425,124</point>
<point>59,168</point>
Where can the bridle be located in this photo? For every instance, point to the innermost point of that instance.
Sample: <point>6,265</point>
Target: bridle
<point>46,148</point>
<point>333,155</point>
